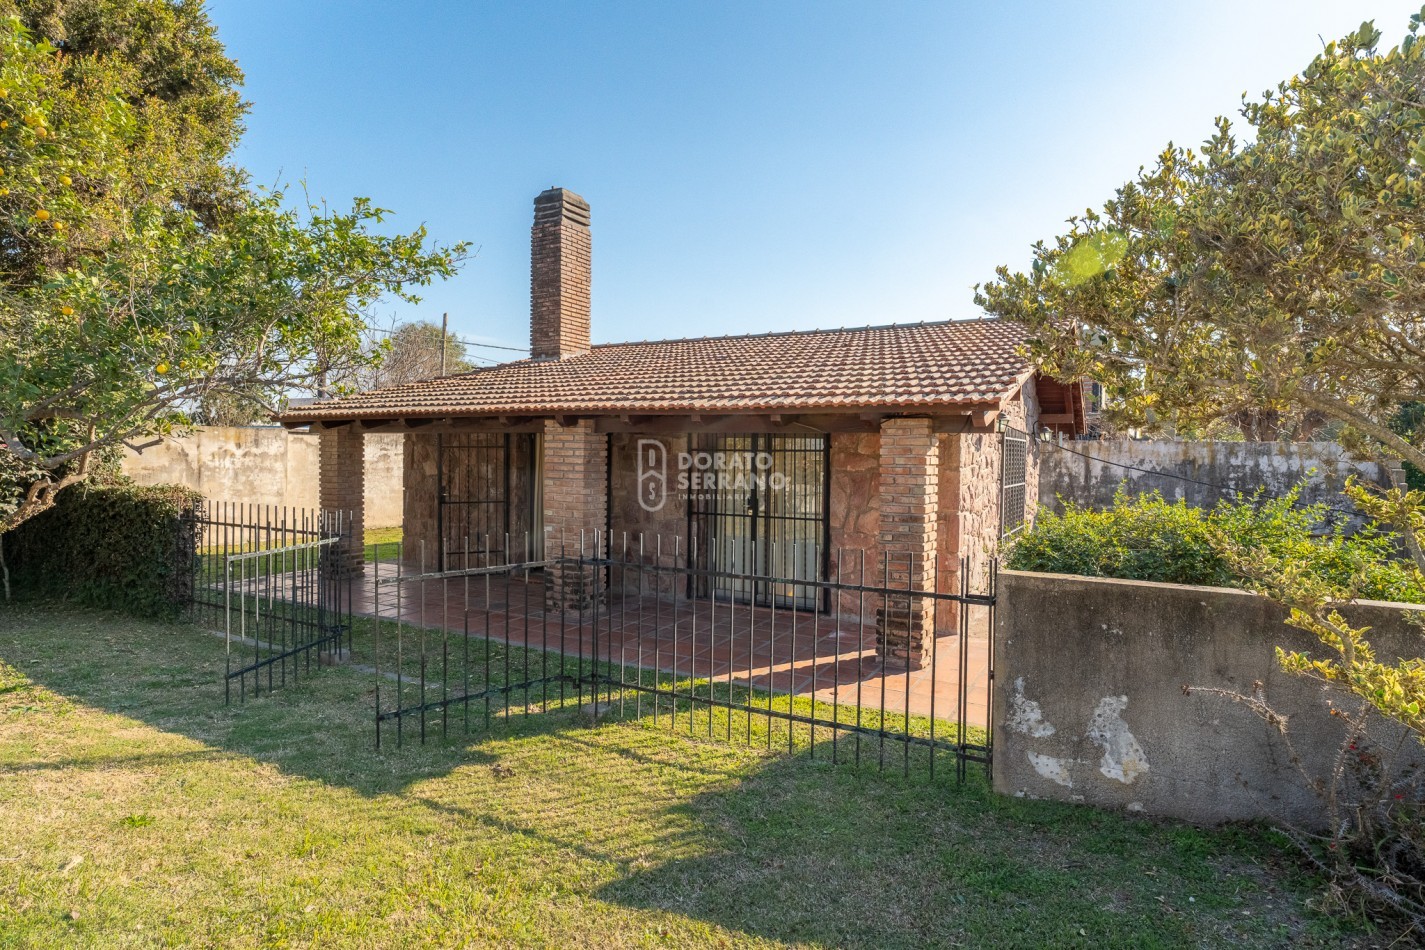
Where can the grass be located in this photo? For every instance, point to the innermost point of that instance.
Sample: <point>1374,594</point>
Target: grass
<point>211,566</point>
<point>137,810</point>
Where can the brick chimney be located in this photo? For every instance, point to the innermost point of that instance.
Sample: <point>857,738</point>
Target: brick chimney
<point>559,246</point>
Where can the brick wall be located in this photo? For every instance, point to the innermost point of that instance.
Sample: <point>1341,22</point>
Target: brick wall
<point>560,277</point>
<point>341,476</point>
<point>910,501</point>
<point>575,506</point>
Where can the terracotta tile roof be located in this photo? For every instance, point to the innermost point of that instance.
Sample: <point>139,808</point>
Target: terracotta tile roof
<point>917,366</point>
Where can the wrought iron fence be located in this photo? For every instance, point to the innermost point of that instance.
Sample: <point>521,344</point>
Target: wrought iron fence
<point>615,633</point>
<point>266,580</point>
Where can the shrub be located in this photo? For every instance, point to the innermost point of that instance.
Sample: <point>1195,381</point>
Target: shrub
<point>121,546</point>
<point>1149,539</point>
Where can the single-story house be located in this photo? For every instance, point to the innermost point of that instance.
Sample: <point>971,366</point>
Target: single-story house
<point>785,454</point>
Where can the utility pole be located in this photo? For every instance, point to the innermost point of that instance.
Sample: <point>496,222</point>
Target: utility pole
<point>444,340</point>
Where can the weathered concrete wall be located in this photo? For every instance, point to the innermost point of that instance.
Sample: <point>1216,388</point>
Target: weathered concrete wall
<point>265,465</point>
<point>1246,466</point>
<point>1089,702</point>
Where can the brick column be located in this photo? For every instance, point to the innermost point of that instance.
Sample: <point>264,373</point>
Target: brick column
<point>576,480</point>
<point>341,468</point>
<point>910,505</point>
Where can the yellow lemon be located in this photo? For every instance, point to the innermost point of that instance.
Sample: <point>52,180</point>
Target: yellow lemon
<point>58,225</point>
<point>4,93</point>
<point>67,311</point>
<point>41,131</point>
<point>42,215</point>
<point>4,123</point>
<point>161,369</point>
<point>65,180</point>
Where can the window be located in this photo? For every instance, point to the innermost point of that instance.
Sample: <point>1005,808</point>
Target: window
<point>1014,456</point>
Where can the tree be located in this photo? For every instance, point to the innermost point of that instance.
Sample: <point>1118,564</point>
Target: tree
<point>411,353</point>
<point>1281,276</point>
<point>142,277</point>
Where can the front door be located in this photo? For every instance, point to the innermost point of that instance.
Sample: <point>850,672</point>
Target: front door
<point>474,509</point>
<point>761,527</point>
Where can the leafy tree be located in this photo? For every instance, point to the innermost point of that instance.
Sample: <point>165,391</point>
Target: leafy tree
<point>1277,275</point>
<point>412,352</point>
<point>1281,275</point>
<point>141,277</point>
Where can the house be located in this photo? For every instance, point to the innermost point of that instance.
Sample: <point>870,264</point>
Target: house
<point>777,455</point>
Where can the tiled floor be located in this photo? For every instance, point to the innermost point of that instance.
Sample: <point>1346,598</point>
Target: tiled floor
<point>782,650</point>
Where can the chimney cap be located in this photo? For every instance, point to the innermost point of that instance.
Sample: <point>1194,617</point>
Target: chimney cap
<point>554,204</point>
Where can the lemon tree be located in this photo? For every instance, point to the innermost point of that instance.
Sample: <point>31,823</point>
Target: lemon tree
<point>140,273</point>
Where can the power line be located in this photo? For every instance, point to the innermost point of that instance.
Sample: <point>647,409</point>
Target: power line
<point>461,340</point>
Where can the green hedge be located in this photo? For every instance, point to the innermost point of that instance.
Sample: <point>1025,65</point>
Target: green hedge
<point>1148,539</point>
<point>126,547</point>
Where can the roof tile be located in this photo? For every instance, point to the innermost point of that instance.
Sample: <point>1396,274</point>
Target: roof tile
<point>923,365</point>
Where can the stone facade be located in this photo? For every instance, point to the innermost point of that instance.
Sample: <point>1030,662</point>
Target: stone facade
<point>341,486</point>
<point>932,494</point>
<point>642,536</point>
<point>421,537</point>
<point>855,517</point>
<point>560,255</point>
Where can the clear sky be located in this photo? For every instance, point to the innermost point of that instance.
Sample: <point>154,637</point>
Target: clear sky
<point>751,166</point>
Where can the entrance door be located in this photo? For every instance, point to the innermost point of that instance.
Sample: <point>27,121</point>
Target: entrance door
<point>761,528</point>
<point>474,509</point>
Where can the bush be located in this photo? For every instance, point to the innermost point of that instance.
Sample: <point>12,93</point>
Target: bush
<point>121,546</point>
<point>1146,538</point>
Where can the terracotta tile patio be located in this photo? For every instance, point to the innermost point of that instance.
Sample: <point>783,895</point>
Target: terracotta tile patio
<point>782,650</point>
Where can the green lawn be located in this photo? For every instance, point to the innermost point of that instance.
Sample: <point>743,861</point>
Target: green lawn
<point>137,810</point>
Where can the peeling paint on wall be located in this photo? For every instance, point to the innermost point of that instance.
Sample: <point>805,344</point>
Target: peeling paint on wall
<point>1025,716</point>
<point>1123,758</point>
<point>1053,768</point>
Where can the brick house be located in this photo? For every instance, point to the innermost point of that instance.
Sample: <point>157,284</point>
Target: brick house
<point>780,454</point>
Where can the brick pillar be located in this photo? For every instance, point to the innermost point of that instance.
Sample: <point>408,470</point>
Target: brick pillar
<point>341,467</point>
<point>576,481</point>
<point>910,505</point>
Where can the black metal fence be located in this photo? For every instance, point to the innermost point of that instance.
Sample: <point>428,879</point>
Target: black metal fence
<point>265,579</point>
<point>615,633</point>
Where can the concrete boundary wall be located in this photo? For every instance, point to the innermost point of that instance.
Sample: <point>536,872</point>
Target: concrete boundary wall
<point>1089,703</point>
<point>1178,469</point>
<point>267,465</point>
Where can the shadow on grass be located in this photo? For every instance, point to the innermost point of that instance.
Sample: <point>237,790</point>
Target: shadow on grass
<point>785,847</point>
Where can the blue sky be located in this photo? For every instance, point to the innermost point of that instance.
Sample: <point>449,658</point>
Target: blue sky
<point>751,166</point>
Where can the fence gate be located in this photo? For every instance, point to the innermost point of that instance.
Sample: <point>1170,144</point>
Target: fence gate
<point>803,681</point>
<point>264,579</point>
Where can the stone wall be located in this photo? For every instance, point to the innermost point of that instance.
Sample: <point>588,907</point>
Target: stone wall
<point>975,459</point>
<point>266,465</point>
<point>855,516</point>
<point>421,510</point>
<point>664,530</point>
<point>1088,473</point>
<point>1089,700</point>
<point>421,539</point>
